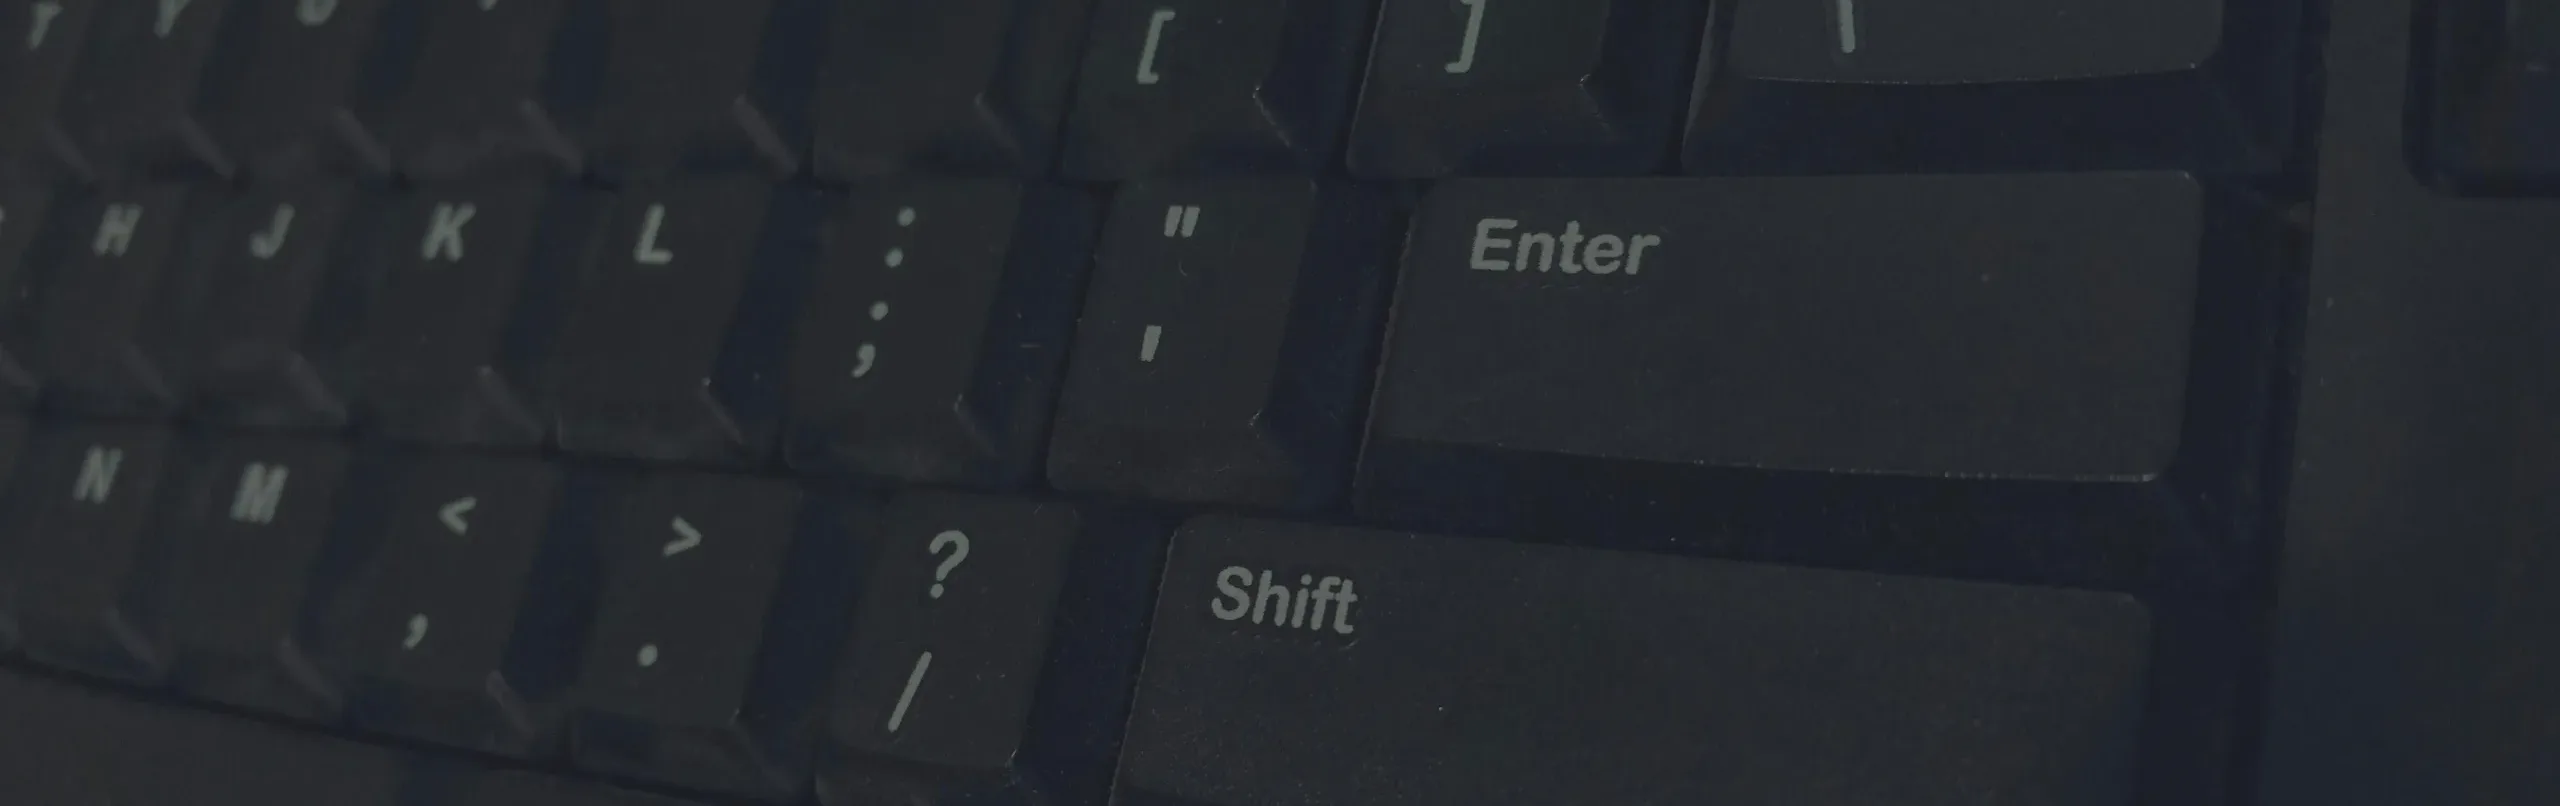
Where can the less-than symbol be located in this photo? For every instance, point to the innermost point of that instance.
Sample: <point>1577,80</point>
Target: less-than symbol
<point>455,514</point>
<point>687,537</point>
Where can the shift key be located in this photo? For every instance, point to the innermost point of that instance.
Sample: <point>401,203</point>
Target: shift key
<point>1357,666</point>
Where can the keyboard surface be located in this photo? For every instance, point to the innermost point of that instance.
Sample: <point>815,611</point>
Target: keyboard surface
<point>1209,403</point>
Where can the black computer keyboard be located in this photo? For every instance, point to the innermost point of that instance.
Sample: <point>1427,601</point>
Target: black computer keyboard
<point>1247,402</point>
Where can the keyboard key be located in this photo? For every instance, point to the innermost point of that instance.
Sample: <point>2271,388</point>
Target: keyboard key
<point>273,315</point>
<point>1193,87</point>
<point>1524,86</point>
<point>1849,86</point>
<point>440,630</point>
<point>1226,341</point>
<point>468,296</point>
<point>1535,315</point>
<point>104,334</point>
<point>2411,654</point>
<point>948,647</point>
<point>672,688</point>
<point>672,350</point>
<point>521,789</point>
<point>1362,667</point>
<point>930,345</point>
<point>23,210</point>
<point>477,96</point>
<point>696,89</point>
<point>79,567</point>
<point>49,36</point>
<point>286,103</point>
<point>1596,359</point>
<point>971,87</point>
<point>2492,116</point>
<point>69,744</point>
<point>247,524</point>
<point>135,103</point>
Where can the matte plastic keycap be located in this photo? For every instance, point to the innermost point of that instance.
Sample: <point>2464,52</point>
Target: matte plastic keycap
<point>104,331</point>
<point>1225,342</point>
<point>274,310</point>
<point>480,91</point>
<point>80,572</point>
<point>467,292</point>
<point>456,618</point>
<point>685,679</point>
<point>1851,86</point>
<point>74,744</point>
<point>1524,86</point>
<point>247,521</point>
<point>2490,78</point>
<point>136,102</point>
<point>2410,659</point>
<point>1366,667</point>
<point>1595,355</point>
<point>1198,87</point>
<point>40,46</point>
<point>693,87</point>
<point>677,329</point>
<point>285,102</point>
<point>935,328</point>
<point>948,650</point>
<point>969,87</point>
<point>23,212</point>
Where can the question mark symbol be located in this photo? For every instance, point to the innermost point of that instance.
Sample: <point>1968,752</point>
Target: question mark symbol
<point>955,541</point>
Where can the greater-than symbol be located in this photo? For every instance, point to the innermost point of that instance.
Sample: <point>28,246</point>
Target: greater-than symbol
<point>687,537</point>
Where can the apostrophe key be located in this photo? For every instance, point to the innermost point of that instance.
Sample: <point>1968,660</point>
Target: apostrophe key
<point>1225,342</point>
